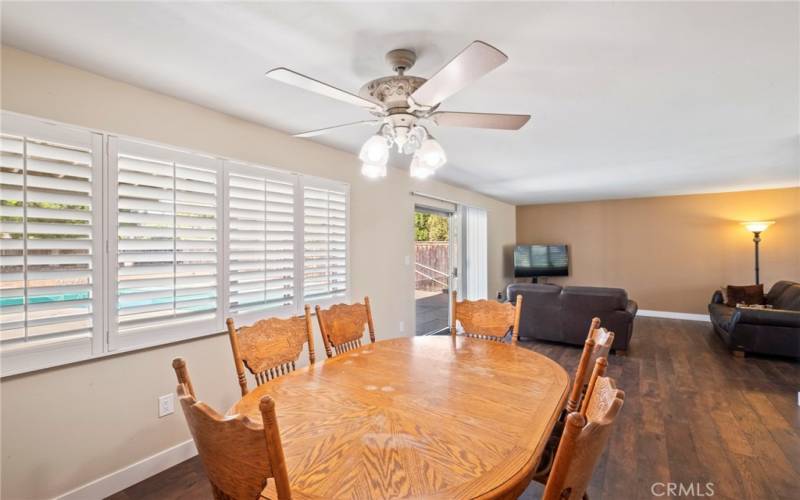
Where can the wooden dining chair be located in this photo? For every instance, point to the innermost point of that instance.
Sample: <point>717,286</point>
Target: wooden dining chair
<point>238,455</point>
<point>270,348</point>
<point>582,370</point>
<point>342,326</point>
<point>586,433</point>
<point>485,319</point>
<point>603,339</point>
<point>597,344</point>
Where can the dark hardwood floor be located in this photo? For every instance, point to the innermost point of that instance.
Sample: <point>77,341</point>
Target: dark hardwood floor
<point>694,415</point>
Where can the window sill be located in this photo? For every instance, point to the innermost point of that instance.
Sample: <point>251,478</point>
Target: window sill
<point>38,362</point>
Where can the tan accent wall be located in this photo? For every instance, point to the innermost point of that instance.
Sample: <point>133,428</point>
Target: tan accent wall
<point>67,426</point>
<point>670,253</point>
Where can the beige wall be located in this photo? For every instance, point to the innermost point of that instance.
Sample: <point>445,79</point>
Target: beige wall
<point>67,426</point>
<point>670,252</point>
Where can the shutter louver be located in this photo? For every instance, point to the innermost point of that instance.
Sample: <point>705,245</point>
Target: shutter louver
<point>47,231</point>
<point>324,243</point>
<point>167,247</point>
<point>260,241</point>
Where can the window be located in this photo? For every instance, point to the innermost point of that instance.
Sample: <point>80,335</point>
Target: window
<point>49,241</point>
<point>111,244</point>
<point>324,241</point>
<point>261,241</point>
<point>167,251</point>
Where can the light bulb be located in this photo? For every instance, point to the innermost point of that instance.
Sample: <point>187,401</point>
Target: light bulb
<point>375,151</point>
<point>418,170</point>
<point>373,171</point>
<point>431,154</point>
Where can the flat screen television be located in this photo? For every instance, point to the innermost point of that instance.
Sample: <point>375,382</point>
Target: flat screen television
<point>531,261</point>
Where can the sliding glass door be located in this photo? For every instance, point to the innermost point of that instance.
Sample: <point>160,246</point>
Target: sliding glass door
<point>435,267</point>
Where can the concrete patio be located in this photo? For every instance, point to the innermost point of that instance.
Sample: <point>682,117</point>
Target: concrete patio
<point>431,311</point>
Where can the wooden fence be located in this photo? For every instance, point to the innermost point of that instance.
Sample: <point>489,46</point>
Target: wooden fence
<point>432,259</point>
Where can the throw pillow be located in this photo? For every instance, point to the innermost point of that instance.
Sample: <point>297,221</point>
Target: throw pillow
<point>749,294</point>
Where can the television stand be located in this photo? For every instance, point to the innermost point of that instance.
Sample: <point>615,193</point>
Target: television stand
<point>536,279</point>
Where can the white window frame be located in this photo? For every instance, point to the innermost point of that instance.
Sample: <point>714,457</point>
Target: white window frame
<point>23,356</point>
<point>319,182</point>
<point>105,340</point>
<point>150,335</point>
<point>243,168</point>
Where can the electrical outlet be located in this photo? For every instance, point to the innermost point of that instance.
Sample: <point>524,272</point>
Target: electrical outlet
<point>166,405</point>
<point>402,326</point>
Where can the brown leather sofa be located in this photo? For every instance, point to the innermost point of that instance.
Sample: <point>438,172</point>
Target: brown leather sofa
<point>774,331</point>
<point>550,312</point>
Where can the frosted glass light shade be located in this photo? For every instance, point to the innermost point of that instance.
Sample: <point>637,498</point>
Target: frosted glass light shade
<point>431,155</point>
<point>758,226</point>
<point>375,151</point>
<point>373,171</point>
<point>418,170</point>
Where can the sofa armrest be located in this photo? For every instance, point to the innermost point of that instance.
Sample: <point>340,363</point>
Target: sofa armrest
<point>768,317</point>
<point>632,308</point>
<point>717,298</point>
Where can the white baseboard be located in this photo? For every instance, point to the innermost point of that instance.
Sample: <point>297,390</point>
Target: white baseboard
<point>674,315</point>
<point>134,473</point>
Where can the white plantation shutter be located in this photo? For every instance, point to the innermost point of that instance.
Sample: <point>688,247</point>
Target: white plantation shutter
<point>49,241</point>
<point>168,249</point>
<point>112,244</point>
<point>260,241</point>
<point>325,242</point>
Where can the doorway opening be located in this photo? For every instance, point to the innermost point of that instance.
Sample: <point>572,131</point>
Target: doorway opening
<point>435,270</point>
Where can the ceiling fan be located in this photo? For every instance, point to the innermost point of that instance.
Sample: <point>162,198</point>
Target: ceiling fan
<point>404,104</point>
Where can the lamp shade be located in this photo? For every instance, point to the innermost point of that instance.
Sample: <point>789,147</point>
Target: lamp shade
<point>758,226</point>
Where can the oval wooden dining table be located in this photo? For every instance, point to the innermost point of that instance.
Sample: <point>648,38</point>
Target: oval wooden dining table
<point>416,417</point>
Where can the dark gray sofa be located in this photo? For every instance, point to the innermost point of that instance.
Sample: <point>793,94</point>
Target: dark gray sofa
<point>550,312</point>
<point>773,331</point>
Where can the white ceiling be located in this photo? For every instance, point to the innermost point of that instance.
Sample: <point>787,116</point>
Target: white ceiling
<point>628,99</point>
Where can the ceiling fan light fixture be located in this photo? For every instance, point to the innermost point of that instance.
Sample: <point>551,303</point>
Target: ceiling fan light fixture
<point>402,103</point>
<point>373,171</point>
<point>375,151</point>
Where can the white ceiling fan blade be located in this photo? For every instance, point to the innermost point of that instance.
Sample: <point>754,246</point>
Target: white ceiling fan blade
<point>307,83</point>
<point>479,120</point>
<point>470,64</point>
<point>312,133</point>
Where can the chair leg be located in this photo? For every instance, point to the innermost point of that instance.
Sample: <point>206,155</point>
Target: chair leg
<point>738,354</point>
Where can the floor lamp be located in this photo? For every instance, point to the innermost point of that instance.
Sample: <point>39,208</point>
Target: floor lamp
<point>757,227</point>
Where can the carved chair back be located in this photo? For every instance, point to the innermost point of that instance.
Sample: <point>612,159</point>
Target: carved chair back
<point>270,348</point>
<point>485,319</point>
<point>342,326</point>
<point>239,455</point>
<point>585,436</point>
